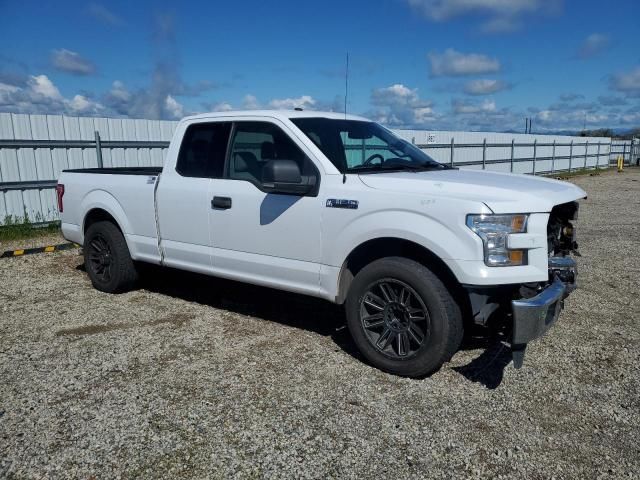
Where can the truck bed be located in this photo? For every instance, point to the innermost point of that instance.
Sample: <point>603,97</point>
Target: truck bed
<point>119,170</point>
<point>125,193</point>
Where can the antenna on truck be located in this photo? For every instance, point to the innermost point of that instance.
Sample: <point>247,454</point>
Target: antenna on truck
<point>346,86</point>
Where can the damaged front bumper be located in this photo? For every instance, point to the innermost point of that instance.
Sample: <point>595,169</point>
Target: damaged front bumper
<point>532,317</point>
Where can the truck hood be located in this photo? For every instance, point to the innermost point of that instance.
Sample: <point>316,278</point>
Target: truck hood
<point>501,192</point>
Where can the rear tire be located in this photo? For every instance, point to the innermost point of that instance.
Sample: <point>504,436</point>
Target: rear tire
<point>107,259</point>
<point>402,317</point>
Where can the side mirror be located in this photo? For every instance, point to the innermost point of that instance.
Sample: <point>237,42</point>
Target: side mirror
<point>283,176</point>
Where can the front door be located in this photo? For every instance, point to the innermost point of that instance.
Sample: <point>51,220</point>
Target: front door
<point>261,237</point>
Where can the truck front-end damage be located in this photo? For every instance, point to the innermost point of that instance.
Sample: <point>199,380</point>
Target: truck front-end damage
<point>530,309</point>
<point>542,303</point>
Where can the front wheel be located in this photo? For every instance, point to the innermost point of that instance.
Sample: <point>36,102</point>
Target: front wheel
<point>402,317</point>
<point>107,259</point>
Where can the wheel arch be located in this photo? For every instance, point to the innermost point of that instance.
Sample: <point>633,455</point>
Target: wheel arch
<point>101,205</point>
<point>375,249</point>
<point>98,214</point>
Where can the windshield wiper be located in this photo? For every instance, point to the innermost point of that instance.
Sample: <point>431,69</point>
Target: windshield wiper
<point>380,167</point>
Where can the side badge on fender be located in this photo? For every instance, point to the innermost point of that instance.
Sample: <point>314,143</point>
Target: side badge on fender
<point>342,203</point>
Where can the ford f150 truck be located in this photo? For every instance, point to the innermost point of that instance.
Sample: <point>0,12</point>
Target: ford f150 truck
<point>337,207</point>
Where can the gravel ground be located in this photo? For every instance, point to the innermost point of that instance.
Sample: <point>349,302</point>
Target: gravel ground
<point>197,378</point>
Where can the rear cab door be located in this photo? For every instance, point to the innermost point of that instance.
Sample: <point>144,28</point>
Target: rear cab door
<point>182,199</point>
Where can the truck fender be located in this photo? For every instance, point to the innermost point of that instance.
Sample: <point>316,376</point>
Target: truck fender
<point>443,241</point>
<point>103,200</point>
<point>438,242</point>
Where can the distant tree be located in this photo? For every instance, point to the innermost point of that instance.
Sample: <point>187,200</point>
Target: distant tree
<point>633,133</point>
<point>600,132</point>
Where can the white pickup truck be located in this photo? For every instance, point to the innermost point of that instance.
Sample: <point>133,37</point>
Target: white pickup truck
<point>338,207</point>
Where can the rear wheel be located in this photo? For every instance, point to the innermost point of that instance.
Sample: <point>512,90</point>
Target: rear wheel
<point>402,317</point>
<point>107,259</point>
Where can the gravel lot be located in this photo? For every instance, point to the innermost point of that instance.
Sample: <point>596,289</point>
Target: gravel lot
<point>198,378</point>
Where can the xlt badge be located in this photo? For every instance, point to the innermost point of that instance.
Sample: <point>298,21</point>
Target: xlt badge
<point>342,203</point>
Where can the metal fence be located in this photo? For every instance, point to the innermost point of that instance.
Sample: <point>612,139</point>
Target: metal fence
<point>537,163</point>
<point>629,150</point>
<point>34,149</point>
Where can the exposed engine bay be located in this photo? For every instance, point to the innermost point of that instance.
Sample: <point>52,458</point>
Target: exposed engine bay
<point>561,235</point>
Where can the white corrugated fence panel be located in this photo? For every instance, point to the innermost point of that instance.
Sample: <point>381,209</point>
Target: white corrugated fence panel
<point>45,163</point>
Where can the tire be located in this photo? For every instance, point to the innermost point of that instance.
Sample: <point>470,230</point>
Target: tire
<point>423,321</point>
<point>107,259</point>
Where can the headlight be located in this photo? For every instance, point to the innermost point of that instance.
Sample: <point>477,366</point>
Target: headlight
<point>494,231</point>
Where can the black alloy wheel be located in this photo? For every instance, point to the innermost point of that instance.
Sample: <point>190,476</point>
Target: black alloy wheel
<point>394,318</point>
<point>100,258</point>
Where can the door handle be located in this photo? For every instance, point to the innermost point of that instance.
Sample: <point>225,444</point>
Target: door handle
<point>221,203</point>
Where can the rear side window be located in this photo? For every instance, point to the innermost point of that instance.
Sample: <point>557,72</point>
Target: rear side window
<point>203,150</point>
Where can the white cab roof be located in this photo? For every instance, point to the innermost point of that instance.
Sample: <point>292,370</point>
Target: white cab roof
<point>279,114</point>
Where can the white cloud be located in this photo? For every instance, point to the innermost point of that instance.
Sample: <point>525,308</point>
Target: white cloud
<point>221,107</point>
<point>40,95</point>
<point>158,102</point>
<point>485,87</point>
<point>6,88</point>
<point>498,15</point>
<point>101,13</point>
<point>453,63</point>
<point>41,85</point>
<point>575,116</point>
<point>593,45</point>
<point>305,101</point>
<point>462,107</point>
<point>175,108</point>
<point>119,91</point>
<point>399,105</point>
<point>71,62</point>
<point>396,94</point>
<point>545,115</point>
<point>627,83</point>
<point>81,105</point>
<point>250,102</point>
<point>631,118</point>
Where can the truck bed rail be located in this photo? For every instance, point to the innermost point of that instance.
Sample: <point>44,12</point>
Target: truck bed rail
<point>119,170</point>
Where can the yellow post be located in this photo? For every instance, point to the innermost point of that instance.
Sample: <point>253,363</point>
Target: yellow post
<point>620,163</point>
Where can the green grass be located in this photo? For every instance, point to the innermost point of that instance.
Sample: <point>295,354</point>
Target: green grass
<point>17,228</point>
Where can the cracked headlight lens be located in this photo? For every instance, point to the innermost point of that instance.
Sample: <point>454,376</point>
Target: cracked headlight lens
<point>494,231</point>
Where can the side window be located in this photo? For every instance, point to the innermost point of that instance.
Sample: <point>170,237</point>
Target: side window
<point>203,150</point>
<point>255,143</point>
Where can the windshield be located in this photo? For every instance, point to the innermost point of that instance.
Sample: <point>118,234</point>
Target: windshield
<point>363,147</point>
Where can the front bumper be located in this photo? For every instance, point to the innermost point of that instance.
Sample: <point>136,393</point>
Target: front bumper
<point>532,317</point>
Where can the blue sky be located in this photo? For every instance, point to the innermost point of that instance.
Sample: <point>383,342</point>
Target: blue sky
<point>434,64</point>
